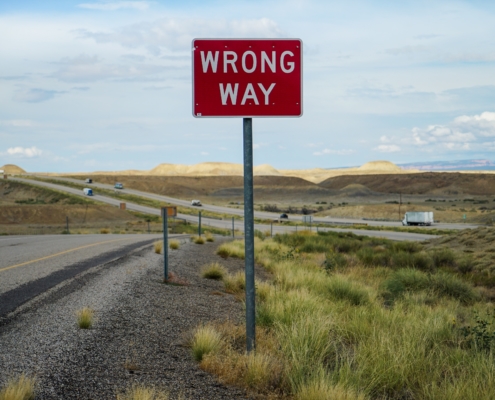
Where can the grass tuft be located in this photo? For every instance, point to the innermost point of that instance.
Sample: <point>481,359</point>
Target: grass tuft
<point>174,244</point>
<point>206,341</point>
<point>21,388</point>
<point>213,271</point>
<point>198,239</point>
<point>104,230</point>
<point>143,393</point>
<point>235,283</point>
<point>85,318</point>
<point>158,246</point>
<point>233,249</point>
<point>209,237</point>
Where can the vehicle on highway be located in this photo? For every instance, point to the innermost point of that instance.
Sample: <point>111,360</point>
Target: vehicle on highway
<point>88,180</point>
<point>88,191</point>
<point>196,203</point>
<point>284,216</point>
<point>118,185</point>
<point>418,218</point>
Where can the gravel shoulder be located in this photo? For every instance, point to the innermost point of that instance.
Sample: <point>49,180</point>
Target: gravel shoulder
<point>139,333</point>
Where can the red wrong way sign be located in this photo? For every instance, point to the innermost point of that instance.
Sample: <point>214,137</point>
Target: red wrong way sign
<point>247,77</point>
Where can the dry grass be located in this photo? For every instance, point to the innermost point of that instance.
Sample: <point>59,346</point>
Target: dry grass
<point>260,371</point>
<point>232,249</point>
<point>213,271</point>
<point>174,244</point>
<point>21,388</point>
<point>206,340</point>
<point>158,247</point>
<point>85,318</point>
<point>198,239</point>
<point>104,231</point>
<point>143,393</point>
<point>235,283</point>
<point>209,237</point>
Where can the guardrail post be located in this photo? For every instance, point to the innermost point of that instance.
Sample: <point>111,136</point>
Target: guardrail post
<point>67,224</point>
<point>165,244</point>
<point>199,224</point>
<point>271,229</point>
<point>233,232</point>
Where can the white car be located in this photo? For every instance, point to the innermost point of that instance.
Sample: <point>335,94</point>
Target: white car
<point>196,203</point>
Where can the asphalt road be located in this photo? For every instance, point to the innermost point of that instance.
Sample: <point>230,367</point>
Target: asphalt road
<point>30,265</point>
<point>258,214</point>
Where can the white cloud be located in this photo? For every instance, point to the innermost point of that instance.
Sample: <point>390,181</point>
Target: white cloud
<point>137,5</point>
<point>27,152</point>
<point>387,148</point>
<point>204,153</point>
<point>177,34</point>
<point>483,124</point>
<point>342,152</point>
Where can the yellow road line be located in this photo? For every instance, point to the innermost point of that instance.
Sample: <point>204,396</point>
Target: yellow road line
<point>58,254</point>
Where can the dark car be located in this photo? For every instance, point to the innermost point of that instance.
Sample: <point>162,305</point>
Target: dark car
<point>284,216</point>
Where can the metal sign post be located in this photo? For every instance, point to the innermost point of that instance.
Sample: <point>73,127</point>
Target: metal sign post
<point>233,232</point>
<point>165,244</point>
<point>249,233</point>
<point>166,212</point>
<point>199,224</point>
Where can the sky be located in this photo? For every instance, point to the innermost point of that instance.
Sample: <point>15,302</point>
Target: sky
<point>106,85</point>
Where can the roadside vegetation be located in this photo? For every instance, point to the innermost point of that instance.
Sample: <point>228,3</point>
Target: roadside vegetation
<point>143,393</point>
<point>85,318</point>
<point>350,317</point>
<point>174,244</point>
<point>21,388</point>
<point>158,247</point>
<point>213,271</point>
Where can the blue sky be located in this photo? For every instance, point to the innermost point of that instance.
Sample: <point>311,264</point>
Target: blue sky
<point>106,85</point>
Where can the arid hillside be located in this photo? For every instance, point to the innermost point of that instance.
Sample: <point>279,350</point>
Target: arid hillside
<point>232,187</point>
<point>434,183</point>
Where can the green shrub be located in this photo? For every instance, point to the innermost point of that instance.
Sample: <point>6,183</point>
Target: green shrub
<point>408,247</point>
<point>334,261</point>
<point>341,289</point>
<point>443,257</point>
<point>442,284</point>
<point>259,234</point>
<point>410,280</point>
<point>481,335</point>
<point>373,258</point>
<point>446,284</point>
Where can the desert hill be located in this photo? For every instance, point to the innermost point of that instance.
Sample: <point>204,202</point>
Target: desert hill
<point>267,187</point>
<point>12,169</point>
<point>314,175</point>
<point>446,183</point>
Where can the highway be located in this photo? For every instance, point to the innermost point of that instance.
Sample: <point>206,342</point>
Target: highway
<point>223,224</point>
<point>257,214</point>
<point>31,265</point>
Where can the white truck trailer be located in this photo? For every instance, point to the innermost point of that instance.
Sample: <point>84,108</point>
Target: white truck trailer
<point>418,218</point>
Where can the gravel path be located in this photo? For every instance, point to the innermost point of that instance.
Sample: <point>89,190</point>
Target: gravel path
<point>138,335</point>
